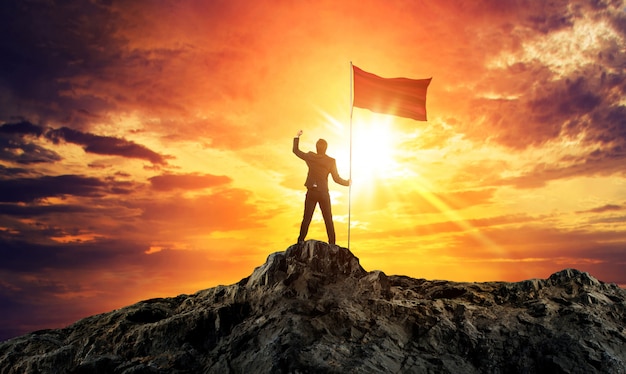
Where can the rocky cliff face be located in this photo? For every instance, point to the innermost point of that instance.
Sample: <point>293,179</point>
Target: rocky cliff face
<point>314,309</point>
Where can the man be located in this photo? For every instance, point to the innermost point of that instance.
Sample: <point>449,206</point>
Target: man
<point>320,165</point>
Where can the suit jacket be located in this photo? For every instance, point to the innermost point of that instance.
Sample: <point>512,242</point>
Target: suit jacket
<point>319,168</point>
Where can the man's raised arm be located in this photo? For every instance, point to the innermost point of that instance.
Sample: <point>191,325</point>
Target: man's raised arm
<point>296,146</point>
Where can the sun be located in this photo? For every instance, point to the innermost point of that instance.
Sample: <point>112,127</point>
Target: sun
<point>373,149</point>
<point>374,146</point>
<point>370,156</point>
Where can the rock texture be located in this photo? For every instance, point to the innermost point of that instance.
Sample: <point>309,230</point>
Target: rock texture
<point>314,309</point>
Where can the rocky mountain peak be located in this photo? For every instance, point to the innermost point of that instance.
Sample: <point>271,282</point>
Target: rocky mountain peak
<point>574,277</point>
<point>309,259</point>
<point>314,309</point>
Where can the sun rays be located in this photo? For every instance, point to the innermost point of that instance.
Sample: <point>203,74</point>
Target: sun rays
<point>396,187</point>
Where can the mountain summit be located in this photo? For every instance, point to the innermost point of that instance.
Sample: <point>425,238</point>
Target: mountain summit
<point>314,309</point>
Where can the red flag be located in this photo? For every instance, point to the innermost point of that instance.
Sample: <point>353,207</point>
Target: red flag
<point>401,97</point>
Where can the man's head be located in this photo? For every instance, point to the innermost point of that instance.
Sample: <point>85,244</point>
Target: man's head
<point>321,146</point>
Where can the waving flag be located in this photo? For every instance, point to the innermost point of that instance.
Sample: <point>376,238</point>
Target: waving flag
<point>401,97</point>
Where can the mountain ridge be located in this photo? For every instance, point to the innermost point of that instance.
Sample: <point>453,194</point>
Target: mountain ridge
<point>313,308</point>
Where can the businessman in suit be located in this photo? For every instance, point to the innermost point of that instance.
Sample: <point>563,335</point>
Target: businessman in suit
<point>320,165</point>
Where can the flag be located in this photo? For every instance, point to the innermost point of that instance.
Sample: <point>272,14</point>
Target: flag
<point>401,97</point>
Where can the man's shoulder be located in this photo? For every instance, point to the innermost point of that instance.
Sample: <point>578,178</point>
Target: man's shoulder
<point>325,158</point>
<point>319,159</point>
<point>308,156</point>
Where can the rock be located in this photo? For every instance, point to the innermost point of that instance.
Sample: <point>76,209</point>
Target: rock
<point>314,309</point>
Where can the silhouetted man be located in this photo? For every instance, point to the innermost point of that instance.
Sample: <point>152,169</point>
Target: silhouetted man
<point>320,165</point>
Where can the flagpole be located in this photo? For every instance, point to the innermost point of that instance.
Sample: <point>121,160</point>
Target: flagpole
<point>350,171</point>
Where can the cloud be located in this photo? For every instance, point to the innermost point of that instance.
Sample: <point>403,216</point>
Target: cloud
<point>19,136</point>
<point>167,182</point>
<point>38,60</point>
<point>12,172</point>
<point>21,128</point>
<point>511,242</point>
<point>33,189</point>
<point>614,221</point>
<point>24,294</point>
<point>537,239</point>
<point>132,59</point>
<point>557,76</point>
<point>557,107</point>
<point>597,163</point>
<point>603,209</point>
<point>20,210</point>
<point>106,145</point>
<point>15,144</point>
<point>27,256</point>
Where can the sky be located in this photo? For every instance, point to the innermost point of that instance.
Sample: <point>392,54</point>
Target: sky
<point>145,146</point>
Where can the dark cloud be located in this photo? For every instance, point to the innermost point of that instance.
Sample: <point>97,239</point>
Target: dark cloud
<point>603,209</point>
<point>597,163</point>
<point>21,210</point>
<point>105,145</point>
<point>44,43</point>
<point>585,107</point>
<point>88,60</point>
<point>550,110</point>
<point>12,172</point>
<point>167,182</point>
<point>610,125</point>
<point>55,284</point>
<point>618,220</point>
<point>33,189</point>
<point>21,128</point>
<point>87,279</point>
<point>539,99</point>
<point>20,296</point>
<point>72,62</point>
<point>17,145</point>
<point>572,99</point>
<point>21,255</point>
<point>26,153</point>
<point>550,21</point>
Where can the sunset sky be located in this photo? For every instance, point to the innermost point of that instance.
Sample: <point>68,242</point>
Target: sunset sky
<point>145,146</point>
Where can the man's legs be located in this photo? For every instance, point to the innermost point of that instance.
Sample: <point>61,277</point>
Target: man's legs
<point>324,200</point>
<point>309,206</point>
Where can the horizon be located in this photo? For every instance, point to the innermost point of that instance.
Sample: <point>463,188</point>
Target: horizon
<point>268,259</point>
<point>146,147</point>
